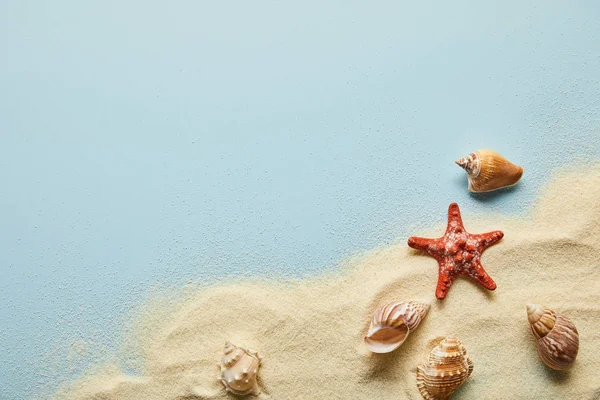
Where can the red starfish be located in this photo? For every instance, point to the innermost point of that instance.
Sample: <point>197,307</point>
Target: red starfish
<point>458,252</point>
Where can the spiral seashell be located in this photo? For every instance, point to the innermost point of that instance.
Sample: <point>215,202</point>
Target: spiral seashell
<point>392,323</point>
<point>488,171</point>
<point>239,369</point>
<point>447,368</point>
<point>557,338</point>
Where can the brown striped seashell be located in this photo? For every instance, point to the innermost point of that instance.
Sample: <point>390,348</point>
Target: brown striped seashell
<point>392,323</point>
<point>557,338</point>
<point>239,369</point>
<point>447,368</point>
<point>489,171</point>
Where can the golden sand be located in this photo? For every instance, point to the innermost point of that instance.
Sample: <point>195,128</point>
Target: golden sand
<point>310,332</point>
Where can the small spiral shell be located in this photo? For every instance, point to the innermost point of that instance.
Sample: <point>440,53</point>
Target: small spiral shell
<point>392,323</point>
<point>489,171</point>
<point>239,369</point>
<point>557,338</point>
<point>447,368</point>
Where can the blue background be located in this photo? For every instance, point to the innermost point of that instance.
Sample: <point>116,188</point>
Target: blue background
<point>146,144</point>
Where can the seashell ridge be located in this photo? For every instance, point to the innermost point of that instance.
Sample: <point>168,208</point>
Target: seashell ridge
<point>447,368</point>
<point>557,339</point>
<point>239,370</point>
<point>392,323</point>
<point>488,170</point>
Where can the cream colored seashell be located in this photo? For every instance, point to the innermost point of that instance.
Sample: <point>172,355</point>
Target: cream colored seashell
<point>392,323</point>
<point>488,171</point>
<point>239,370</point>
<point>447,368</point>
<point>557,338</point>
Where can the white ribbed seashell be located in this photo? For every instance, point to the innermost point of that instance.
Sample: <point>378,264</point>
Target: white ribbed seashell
<point>239,370</point>
<point>392,323</point>
<point>489,171</point>
<point>557,338</point>
<point>447,368</point>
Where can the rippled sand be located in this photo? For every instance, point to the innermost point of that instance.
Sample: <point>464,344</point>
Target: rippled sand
<point>310,332</point>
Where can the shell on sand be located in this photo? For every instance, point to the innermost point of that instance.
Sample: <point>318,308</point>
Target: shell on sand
<point>557,338</point>
<point>392,323</point>
<point>489,171</point>
<point>239,369</point>
<point>447,368</point>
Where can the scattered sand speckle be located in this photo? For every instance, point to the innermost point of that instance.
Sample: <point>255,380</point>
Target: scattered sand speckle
<point>310,332</point>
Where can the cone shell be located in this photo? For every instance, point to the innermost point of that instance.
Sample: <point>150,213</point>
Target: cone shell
<point>392,323</point>
<point>488,171</point>
<point>447,368</point>
<point>239,369</point>
<point>557,338</point>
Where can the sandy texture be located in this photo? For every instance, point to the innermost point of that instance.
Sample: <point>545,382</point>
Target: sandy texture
<point>310,332</point>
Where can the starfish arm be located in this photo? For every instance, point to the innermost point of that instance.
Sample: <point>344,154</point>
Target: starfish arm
<point>424,244</point>
<point>479,274</point>
<point>445,279</point>
<point>457,252</point>
<point>454,218</point>
<point>487,239</point>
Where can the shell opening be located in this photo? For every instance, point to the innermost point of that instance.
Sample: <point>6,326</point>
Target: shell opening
<point>384,339</point>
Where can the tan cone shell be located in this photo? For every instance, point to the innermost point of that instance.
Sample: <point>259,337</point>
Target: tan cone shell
<point>488,170</point>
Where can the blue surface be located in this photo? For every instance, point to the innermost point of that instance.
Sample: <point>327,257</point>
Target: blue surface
<point>145,145</point>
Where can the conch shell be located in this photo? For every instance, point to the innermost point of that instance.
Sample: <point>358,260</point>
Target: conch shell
<point>392,323</point>
<point>557,338</point>
<point>448,367</point>
<point>239,368</point>
<point>488,171</point>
